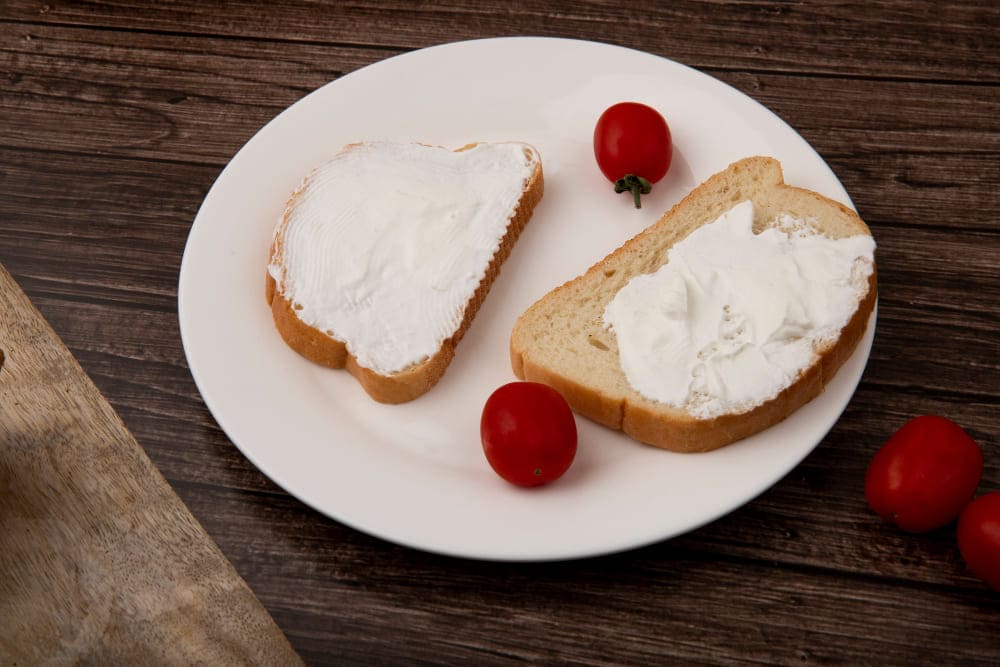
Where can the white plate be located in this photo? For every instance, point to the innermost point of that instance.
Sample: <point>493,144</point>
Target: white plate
<point>415,474</point>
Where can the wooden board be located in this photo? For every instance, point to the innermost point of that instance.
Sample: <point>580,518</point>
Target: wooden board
<point>100,560</point>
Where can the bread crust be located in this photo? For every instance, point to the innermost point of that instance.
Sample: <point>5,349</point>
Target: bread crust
<point>654,423</point>
<point>417,379</point>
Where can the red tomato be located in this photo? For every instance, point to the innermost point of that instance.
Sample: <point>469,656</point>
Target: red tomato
<point>979,537</point>
<point>632,147</point>
<point>924,474</point>
<point>528,433</point>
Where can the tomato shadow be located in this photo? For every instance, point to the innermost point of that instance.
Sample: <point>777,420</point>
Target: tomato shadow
<point>678,181</point>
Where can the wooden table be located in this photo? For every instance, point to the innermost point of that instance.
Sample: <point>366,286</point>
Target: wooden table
<point>116,118</point>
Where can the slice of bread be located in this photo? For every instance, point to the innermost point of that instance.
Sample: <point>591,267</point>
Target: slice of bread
<point>562,340</point>
<point>384,254</point>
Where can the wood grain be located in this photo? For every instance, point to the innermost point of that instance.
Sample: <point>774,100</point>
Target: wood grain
<point>117,116</point>
<point>920,39</point>
<point>91,76</point>
<point>101,560</point>
<point>651,602</point>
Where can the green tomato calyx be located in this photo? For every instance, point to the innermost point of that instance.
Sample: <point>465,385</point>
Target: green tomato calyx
<point>637,185</point>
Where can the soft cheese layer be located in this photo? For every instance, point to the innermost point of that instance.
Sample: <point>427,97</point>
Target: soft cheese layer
<point>386,243</point>
<point>734,317</point>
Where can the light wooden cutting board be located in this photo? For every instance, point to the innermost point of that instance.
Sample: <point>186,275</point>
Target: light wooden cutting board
<point>100,562</point>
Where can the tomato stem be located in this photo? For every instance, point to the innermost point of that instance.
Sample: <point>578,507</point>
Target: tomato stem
<point>637,185</point>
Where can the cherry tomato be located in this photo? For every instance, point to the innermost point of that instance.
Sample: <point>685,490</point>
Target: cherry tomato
<point>632,147</point>
<point>979,537</point>
<point>528,433</point>
<point>924,474</point>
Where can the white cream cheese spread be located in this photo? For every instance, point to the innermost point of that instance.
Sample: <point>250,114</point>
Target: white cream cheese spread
<point>384,244</point>
<point>734,317</point>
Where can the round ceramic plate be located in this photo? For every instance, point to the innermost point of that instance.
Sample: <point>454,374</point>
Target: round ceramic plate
<point>415,474</point>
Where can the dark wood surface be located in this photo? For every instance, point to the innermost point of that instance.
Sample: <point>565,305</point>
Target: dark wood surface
<point>116,117</point>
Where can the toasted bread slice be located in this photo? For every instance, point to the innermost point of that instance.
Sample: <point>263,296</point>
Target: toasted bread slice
<point>385,253</point>
<point>563,339</point>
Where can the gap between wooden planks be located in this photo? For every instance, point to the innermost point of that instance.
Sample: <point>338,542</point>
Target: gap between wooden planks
<point>101,561</point>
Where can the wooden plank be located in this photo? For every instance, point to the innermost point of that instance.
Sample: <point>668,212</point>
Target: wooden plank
<point>115,229</point>
<point>674,601</point>
<point>136,94</point>
<point>917,187</point>
<point>101,560</point>
<point>893,40</point>
<point>201,80</point>
<point>169,98</point>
